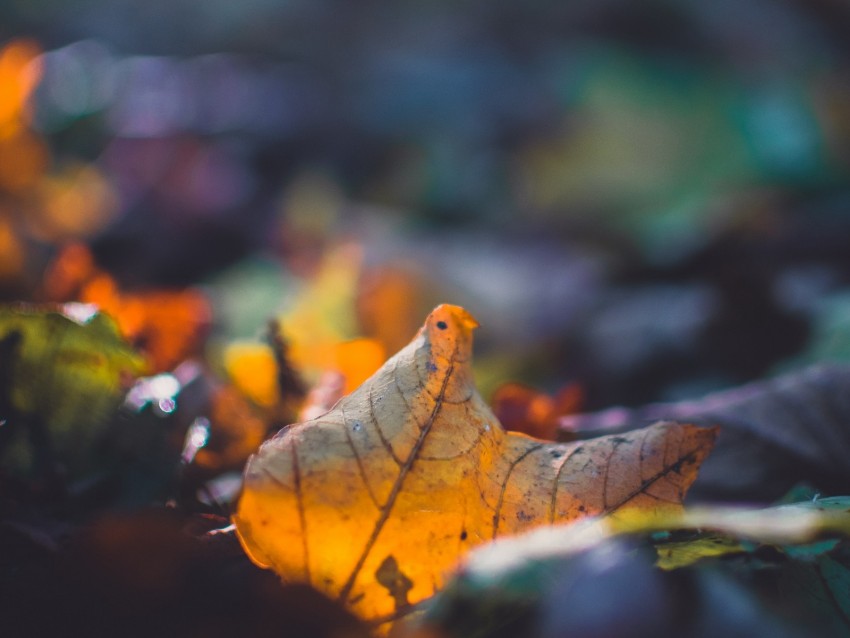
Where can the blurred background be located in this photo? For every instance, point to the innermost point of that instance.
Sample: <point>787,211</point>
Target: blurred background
<point>638,201</point>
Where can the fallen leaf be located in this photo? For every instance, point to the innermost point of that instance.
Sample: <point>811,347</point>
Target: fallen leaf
<point>774,434</point>
<point>598,577</point>
<point>64,370</point>
<point>375,501</point>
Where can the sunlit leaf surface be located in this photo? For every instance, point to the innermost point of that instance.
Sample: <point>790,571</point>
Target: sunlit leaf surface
<point>599,577</point>
<point>375,501</point>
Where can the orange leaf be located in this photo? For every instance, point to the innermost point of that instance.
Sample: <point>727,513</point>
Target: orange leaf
<point>166,325</point>
<point>253,369</point>
<point>375,501</point>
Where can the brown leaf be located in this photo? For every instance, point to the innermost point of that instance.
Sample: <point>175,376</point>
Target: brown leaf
<point>375,501</point>
<point>236,429</point>
<point>520,408</point>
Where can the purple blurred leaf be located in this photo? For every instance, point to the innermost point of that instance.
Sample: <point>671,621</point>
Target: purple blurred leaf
<point>774,434</point>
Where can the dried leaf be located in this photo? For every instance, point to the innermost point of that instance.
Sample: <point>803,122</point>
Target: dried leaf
<point>597,577</point>
<point>376,500</point>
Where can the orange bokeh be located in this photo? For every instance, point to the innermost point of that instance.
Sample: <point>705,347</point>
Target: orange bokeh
<point>24,156</point>
<point>166,325</point>
<point>252,368</point>
<point>20,73</point>
<point>520,408</point>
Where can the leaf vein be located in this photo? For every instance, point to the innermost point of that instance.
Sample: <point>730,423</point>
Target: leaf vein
<point>358,460</point>
<point>556,483</point>
<point>374,418</point>
<point>296,471</point>
<point>676,466</point>
<point>498,512</point>
<point>396,489</point>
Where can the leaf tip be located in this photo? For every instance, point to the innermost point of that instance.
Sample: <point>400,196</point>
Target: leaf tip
<point>452,316</point>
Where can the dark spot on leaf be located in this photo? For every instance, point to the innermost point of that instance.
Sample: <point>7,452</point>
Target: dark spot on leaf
<point>521,515</point>
<point>397,584</point>
<point>463,535</point>
<point>556,453</point>
<point>581,508</point>
<point>442,325</point>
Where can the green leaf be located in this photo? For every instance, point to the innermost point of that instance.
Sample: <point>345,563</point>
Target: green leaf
<point>63,371</point>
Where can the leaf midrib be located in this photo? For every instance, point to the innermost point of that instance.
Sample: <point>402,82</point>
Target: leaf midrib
<point>397,486</point>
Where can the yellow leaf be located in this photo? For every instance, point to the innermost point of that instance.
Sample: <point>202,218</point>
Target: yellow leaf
<point>253,369</point>
<point>684,553</point>
<point>322,315</point>
<point>375,501</point>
